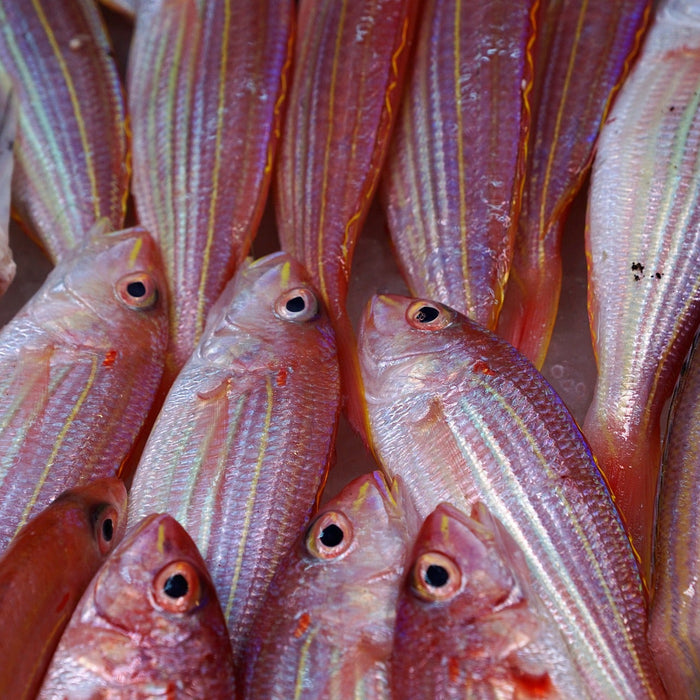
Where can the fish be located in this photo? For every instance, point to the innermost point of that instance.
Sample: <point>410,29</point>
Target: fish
<point>206,90</point>
<point>453,179</point>
<point>80,364</point>
<point>246,435</point>
<point>460,415</point>
<point>326,625</point>
<point>148,625</point>
<point>643,248</point>
<point>468,623</point>
<point>674,615</point>
<point>583,53</point>
<point>71,150</point>
<point>43,575</point>
<point>349,65</point>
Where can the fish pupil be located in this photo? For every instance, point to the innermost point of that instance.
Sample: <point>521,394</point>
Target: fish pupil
<point>426,314</point>
<point>436,576</point>
<point>108,529</point>
<point>331,536</point>
<point>136,289</point>
<point>295,305</point>
<point>176,586</point>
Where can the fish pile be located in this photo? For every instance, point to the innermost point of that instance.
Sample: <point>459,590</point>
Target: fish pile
<point>489,546</point>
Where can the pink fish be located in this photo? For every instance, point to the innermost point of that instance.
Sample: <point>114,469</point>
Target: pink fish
<point>453,178</point>
<point>79,369</point>
<point>206,85</point>
<point>461,416</point>
<point>71,147</point>
<point>246,435</point>
<point>326,625</point>
<point>349,63</point>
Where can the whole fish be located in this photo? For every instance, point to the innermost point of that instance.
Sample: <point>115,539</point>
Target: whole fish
<point>461,416</point>
<point>246,435</point>
<point>148,625</point>
<point>325,627</point>
<point>468,624</point>
<point>674,616</point>
<point>349,63</point>
<point>453,178</point>
<point>643,251</point>
<point>79,367</point>
<point>583,52</point>
<point>45,571</point>
<point>71,148</point>
<point>206,85</point>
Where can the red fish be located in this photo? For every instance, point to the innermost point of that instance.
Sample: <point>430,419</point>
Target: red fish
<point>148,625</point>
<point>45,571</point>
<point>643,251</point>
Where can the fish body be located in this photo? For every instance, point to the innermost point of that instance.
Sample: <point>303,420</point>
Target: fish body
<point>583,53</point>
<point>453,177</point>
<point>468,624</point>
<point>79,367</point>
<point>71,148</point>
<point>674,616</point>
<point>43,575</point>
<point>246,435</point>
<point>205,98</point>
<point>349,63</point>
<point>643,250</point>
<point>325,628</point>
<point>148,625</point>
<point>461,416</point>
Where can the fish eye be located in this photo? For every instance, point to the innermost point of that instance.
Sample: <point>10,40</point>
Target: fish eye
<point>435,577</point>
<point>105,520</point>
<point>428,316</point>
<point>298,304</point>
<point>176,588</point>
<point>137,291</point>
<point>329,536</point>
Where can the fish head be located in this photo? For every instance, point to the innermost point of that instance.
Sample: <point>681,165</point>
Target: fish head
<point>156,586</point>
<point>111,285</point>
<point>100,506</point>
<point>267,314</point>
<point>353,557</point>
<point>401,341</point>
<point>464,561</point>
